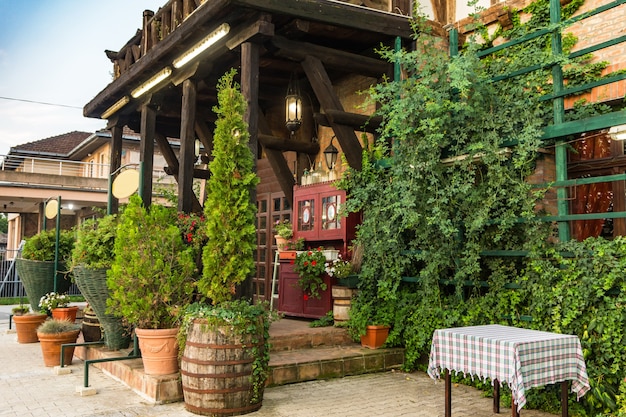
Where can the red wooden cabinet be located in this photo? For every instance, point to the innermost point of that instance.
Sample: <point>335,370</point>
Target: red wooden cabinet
<point>291,299</point>
<point>316,219</point>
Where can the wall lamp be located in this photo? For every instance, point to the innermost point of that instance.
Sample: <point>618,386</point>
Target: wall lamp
<point>330,154</point>
<point>221,31</point>
<point>151,82</point>
<point>618,132</point>
<point>115,107</point>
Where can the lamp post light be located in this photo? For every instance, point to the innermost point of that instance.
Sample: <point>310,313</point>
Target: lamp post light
<point>52,209</point>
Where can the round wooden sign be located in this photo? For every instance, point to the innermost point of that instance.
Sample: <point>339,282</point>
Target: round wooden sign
<point>126,183</point>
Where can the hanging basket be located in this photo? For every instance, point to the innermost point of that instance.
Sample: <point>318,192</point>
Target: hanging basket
<point>38,279</point>
<point>92,284</point>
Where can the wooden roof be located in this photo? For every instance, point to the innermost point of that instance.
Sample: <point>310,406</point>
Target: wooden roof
<point>343,35</point>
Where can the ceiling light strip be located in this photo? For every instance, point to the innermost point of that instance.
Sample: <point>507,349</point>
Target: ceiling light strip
<point>152,82</point>
<point>221,31</point>
<point>115,107</point>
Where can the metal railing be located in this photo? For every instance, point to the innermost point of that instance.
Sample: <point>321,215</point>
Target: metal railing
<point>33,165</point>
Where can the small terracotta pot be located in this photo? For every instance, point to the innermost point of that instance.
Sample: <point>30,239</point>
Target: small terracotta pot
<point>375,336</point>
<point>65,313</point>
<point>51,347</point>
<point>26,327</point>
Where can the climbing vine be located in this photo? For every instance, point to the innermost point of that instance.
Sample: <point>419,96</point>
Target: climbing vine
<point>446,181</point>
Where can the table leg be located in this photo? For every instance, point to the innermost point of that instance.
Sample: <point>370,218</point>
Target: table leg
<point>514,412</point>
<point>564,405</point>
<point>496,396</point>
<point>448,395</point>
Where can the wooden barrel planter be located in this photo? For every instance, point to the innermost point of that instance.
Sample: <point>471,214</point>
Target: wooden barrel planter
<point>91,326</point>
<point>216,371</point>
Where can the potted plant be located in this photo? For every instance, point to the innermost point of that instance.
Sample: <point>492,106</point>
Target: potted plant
<point>20,310</point>
<point>36,265</point>
<point>151,281</point>
<point>91,327</point>
<point>311,266</point>
<point>52,334</point>
<point>58,305</point>
<point>283,230</point>
<point>234,333</point>
<point>92,256</point>
<point>26,326</point>
<point>291,248</point>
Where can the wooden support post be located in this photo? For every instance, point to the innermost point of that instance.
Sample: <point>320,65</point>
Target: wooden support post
<point>250,90</point>
<point>115,164</point>
<point>148,126</point>
<point>187,146</point>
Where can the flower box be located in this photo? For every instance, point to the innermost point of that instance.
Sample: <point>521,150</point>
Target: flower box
<point>330,254</point>
<point>287,254</point>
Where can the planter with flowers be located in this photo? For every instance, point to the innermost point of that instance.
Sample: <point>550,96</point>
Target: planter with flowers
<point>283,233</point>
<point>342,270</point>
<point>58,305</point>
<point>311,266</point>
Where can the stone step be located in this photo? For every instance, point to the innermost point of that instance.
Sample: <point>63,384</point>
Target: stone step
<point>299,353</point>
<point>330,362</point>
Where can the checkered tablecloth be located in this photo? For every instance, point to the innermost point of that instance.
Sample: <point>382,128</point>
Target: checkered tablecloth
<point>521,358</point>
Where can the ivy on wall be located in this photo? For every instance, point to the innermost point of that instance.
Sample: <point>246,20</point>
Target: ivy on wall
<point>449,190</point>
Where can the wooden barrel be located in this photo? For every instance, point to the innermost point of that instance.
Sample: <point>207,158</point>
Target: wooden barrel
<point>215,371</point>
<point>342,301</point>
<point>91,327</point>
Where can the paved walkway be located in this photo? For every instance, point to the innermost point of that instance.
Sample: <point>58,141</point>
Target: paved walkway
<point>28,388</point>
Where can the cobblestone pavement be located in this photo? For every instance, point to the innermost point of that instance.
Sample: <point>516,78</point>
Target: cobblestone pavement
<point>28,388</point>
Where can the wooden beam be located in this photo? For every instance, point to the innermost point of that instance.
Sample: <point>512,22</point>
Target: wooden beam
<point>187,147</point>
<point>255,32</point>
<point>206,136</point>
<point>333,58</point>
<point>277,161</point>
<point>146,152</point>
<point>360,122</point>
<point>288,145</point>
<point>323,88</point>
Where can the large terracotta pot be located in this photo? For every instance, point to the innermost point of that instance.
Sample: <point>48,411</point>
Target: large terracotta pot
<point>51,347</point>
<point>26,327</point>
<point>216,370</point>
<point>159,350</point>
<point>65,313</point>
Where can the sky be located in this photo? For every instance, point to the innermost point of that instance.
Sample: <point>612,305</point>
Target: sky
<point>52,51</point>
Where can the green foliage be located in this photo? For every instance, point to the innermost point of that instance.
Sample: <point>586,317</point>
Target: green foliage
<point>310,266</point>
<point>228,256</point>
<point>150,279</point>
<point>284,229</point>
<point>95,242</point>
<point>41,247</point>
<point>326,320</point>
<point>446,180</point>
<point>245,320</point>
<point>4,223</point>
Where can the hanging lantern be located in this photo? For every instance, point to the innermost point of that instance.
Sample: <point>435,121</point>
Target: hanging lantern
<point>330,154</point>
<point>293,106</point>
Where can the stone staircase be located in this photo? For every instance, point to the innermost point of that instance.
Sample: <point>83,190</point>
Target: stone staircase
<point>299,353</point>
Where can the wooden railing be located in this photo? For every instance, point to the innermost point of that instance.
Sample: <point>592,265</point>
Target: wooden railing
<point>157,26</point>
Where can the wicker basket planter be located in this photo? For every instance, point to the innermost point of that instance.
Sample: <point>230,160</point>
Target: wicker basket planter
<point>38,279</point>
<point>93,286</point>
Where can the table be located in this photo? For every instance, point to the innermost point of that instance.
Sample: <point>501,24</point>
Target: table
<point>521,358</point>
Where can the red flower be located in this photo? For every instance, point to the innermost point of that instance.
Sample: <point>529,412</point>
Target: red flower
<point>306,263</point>
<point>306,297</point>
<point>292,261</point>
<point>309,253</point>
<point>313,263</point>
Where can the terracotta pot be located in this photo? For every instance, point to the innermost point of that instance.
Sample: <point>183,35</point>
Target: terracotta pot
<point>159,350</point>
<point>51,347</point>
<point>375,336</point>
<point>26,327</point>
<point>65,313</point>
<point>281,242</point>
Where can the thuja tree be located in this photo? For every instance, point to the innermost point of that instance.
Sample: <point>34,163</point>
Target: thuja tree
<point>228,256</point>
